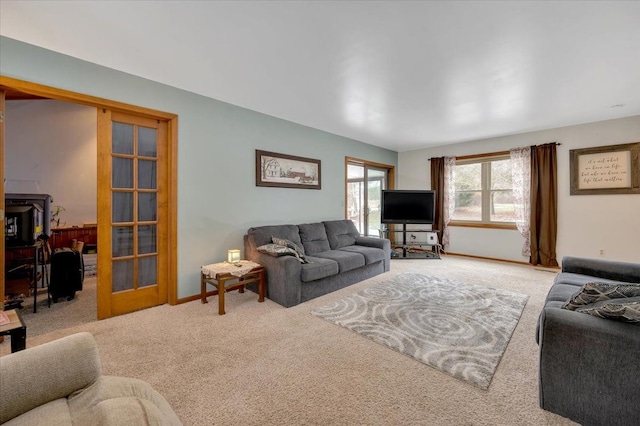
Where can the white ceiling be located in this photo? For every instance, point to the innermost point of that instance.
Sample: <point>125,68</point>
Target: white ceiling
<point>402,75</point>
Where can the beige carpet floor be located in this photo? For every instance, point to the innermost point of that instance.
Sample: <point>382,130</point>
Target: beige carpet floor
<point>261,364</point>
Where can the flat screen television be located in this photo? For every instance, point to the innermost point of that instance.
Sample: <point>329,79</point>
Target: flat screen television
<point>408,206</point>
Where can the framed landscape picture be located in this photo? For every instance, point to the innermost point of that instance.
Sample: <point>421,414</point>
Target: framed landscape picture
<point>286,171</point>
<point>613,169</point>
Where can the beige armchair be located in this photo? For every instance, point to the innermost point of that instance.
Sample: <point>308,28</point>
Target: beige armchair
<point>61,383</point>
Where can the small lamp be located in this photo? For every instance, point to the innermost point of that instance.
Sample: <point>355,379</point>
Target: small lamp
<point>233,256</point>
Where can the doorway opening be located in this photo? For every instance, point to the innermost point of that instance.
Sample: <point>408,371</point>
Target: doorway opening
<point>166,227</point>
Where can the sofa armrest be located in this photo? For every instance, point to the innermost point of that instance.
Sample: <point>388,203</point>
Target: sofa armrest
<point>44,373</point>
<point>283,275</point>
<point>589,367</point>
<point>381,243</point>
<point>601,268</point>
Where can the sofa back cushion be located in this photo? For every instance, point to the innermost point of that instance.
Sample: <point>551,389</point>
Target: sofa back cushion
<point>44,373</point>
<point>314,238</point>
<point>262,235</point>
<point>341,233</point>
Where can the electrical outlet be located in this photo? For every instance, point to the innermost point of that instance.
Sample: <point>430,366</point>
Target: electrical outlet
<point>601,252</point>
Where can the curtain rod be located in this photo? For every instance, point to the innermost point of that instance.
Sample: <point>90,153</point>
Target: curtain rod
<point>497,153</point>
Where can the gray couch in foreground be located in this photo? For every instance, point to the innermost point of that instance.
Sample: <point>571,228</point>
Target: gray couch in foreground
<point>589,367</point>
<point>61,383</point>
<point>338,257</point>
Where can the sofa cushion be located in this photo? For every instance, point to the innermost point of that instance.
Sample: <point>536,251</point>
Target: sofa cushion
<point>314,238</point>
<point>371,254</point>
<point>122,411</point>
<point>341,233</point>
<point>262,235</point>
<point>624,309</point>
<point>318,268</point>
<point>279,250</point>
<point>113,400</point>
<point>597,291</point>
<point>55,412</point>
<point>346,260</point>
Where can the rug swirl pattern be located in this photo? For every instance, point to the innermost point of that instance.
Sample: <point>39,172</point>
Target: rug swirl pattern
<point>460,329</point>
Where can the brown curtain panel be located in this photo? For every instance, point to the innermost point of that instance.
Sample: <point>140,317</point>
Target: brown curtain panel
<point>437,184</point>
<point>544,204</point>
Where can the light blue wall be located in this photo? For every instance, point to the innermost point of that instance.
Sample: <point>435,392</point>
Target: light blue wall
<point>217,197</point>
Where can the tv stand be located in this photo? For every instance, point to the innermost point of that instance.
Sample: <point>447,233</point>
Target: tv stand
<point>411,250</point>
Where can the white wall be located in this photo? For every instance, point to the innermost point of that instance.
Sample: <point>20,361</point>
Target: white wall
<point>51,148</point>
<point>586,223</point>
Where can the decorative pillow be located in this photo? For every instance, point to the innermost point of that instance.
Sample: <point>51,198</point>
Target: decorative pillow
<point>290,244</point>
<point>624,309</point>
<point>598,291</point>
<point>278,250</point>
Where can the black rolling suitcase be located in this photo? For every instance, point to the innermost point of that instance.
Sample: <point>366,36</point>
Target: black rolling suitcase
<point>67,273</point>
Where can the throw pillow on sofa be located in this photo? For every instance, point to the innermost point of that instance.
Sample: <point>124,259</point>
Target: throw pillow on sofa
<point>290,244</point>
<point>599,291</point>
<point>278,250</point>
<point>624,309</point>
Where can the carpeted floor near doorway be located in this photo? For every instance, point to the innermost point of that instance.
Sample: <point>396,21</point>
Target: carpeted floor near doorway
<point>262,364</point>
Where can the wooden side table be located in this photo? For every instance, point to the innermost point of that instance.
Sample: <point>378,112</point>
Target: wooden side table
<point>225,277</point>
<point>16,329</point>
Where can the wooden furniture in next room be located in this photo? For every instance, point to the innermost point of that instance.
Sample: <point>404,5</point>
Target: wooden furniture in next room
<point>226,276</point>
<point>16,329</point>
<point>63,237</point>
<point>28,263</point>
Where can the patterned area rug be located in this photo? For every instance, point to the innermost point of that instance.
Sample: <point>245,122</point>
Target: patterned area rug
<point>457,328</point>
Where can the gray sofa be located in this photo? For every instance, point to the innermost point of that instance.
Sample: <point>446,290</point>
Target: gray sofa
<point>61,383</point>
<point>338,257</point>
<point>589,367</point>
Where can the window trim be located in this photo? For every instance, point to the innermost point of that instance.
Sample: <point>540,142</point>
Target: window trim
<point>475,159</point>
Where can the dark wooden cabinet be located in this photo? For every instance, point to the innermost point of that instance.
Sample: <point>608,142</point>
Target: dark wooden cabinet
<point>63,237</point>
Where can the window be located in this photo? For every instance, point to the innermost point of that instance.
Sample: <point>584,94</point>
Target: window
<point>483,191</point>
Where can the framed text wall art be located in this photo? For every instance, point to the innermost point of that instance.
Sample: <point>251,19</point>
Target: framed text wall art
<point>613,169</point>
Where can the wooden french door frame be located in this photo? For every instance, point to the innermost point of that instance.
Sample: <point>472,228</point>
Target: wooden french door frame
<point>391,178</point>
<point>172,166</point>
<point>2,113</point>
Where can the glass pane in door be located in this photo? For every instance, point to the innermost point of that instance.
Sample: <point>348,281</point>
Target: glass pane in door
<point>147,144</point>
<point>122,173</point>
<point>147,206</point>
<point>147,271</point>
<point>122,275</point>
<point>122,207</point>
<point>122,138</point>
<point>376,182</point>
<point>355,195</point>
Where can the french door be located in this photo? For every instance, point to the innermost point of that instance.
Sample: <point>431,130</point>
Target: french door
<point>365,183</point>
<point>2,206</point>
<point>132,213</point>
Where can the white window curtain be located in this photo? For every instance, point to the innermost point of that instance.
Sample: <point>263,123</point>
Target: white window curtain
<point>449,202</point>
<point>521,175</point>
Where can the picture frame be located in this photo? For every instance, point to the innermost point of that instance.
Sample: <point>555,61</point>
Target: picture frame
<point>612,169</point>
<point>287,171</point>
